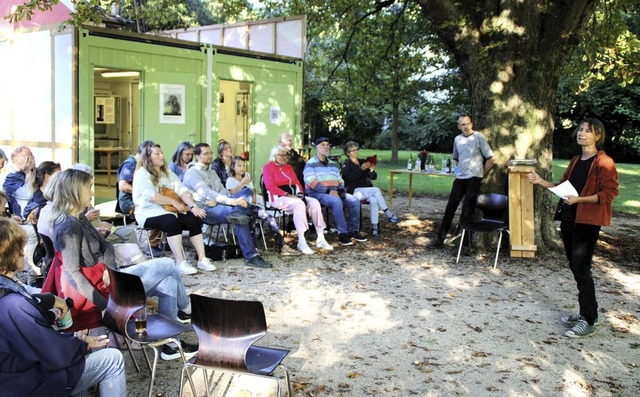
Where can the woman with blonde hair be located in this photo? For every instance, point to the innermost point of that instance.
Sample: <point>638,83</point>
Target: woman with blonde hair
<point>151,175</point>
<point>82,246</point>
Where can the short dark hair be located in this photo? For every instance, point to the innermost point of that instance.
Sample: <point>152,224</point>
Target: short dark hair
<point>596,127</point>
<point>197,149</point>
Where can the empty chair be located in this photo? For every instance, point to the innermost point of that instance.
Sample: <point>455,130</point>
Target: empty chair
<point>226,332</point>
<point>494,219</point>
<point>126,297</point>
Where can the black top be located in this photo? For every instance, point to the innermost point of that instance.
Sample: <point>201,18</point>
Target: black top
<point>578,179</point>
<point>355,177</point>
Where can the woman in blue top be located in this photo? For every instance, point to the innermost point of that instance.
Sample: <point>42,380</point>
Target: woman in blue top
<point>181,159</point>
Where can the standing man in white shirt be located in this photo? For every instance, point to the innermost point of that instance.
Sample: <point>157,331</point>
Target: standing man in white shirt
<point>474,159</point>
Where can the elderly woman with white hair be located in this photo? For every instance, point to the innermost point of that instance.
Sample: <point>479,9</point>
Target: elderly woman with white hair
<point>286,193</point>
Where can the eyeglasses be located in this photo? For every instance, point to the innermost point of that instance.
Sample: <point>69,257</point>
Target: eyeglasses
<point>281,155</point>
<point>354,150</point>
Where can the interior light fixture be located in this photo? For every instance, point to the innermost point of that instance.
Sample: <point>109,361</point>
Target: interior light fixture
<point>120,74</point>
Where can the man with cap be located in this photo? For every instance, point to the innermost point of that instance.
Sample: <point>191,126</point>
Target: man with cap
<point>323,182</point>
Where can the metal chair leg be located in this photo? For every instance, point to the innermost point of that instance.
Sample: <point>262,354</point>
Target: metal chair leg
<point>153,370</point>
<point>461,242</point>
<point>495,263</point>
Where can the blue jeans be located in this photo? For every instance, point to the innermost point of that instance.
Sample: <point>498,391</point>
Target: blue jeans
<point>218,214</point>
<point>105,366</point>
<point>337,210</point>
<point>161,279</point>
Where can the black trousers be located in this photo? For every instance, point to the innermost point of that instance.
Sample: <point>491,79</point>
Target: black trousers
<point>467,189</point>
<point>173,226</point>
<point>579,243</point>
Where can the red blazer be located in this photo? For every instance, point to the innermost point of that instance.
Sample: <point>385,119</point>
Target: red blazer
<point>601,180</point>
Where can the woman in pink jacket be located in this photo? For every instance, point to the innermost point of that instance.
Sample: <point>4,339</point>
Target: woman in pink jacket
<point>594,176</point>
<point>286,193</point>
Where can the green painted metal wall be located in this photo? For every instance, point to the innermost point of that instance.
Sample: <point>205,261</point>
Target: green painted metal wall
<point>274,84</point>
<point>158,65</point>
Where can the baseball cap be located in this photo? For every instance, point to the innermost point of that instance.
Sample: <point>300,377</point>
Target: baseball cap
<point>320,140</point>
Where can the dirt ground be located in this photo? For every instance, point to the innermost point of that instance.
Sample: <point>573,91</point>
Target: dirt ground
<point>390,318</point>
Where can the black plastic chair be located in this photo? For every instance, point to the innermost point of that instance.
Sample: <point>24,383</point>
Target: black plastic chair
<point>126,297</point>
<point>226,332</point>
<point>494,209</point>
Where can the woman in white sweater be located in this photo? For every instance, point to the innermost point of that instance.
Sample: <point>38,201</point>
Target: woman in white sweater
<point>151,175</point>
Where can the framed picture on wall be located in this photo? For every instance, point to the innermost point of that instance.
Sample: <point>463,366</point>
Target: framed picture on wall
<point>105,110</point>
<point>172,104</point>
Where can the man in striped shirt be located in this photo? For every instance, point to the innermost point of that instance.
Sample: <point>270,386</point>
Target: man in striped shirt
<point>323,182</point>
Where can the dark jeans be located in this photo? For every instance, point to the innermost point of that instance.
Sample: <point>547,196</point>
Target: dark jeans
<point>579,243</point>
<point>467,189</point>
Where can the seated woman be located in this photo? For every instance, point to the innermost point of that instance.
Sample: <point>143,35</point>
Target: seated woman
<point>181,159</point>
<point>358,174</point>
<point>124,239</point>
<point>222,164</point>
<point>239,180</point>
<point>35,359</point>
<point>31,235</point>
<point>41,178</point>
<point>81,245</point>
<point>151,175</point>
<point>285,193</point>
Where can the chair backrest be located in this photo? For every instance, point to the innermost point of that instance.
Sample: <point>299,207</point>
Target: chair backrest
<point>118,209</point>
<point>494,206</point>
<point>265,193</point>
<point>226,329</point>
<point>126,297</point>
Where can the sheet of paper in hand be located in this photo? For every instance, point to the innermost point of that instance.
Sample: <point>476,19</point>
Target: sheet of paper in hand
<point>564,189</point>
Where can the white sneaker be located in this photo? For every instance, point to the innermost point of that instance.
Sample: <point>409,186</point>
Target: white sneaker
<point>186,268</point>
<point>305,249</point>
<point>323,244</point>
<point>206,265</point>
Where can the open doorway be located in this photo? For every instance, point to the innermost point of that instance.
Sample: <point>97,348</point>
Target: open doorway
<point>116,120</point>
<point>235,114</point>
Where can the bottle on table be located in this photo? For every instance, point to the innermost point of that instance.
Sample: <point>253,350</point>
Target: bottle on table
<point>410,163</point>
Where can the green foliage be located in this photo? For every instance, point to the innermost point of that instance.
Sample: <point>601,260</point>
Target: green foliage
<point>601,81</point>
<point>148,15</point>
<point>25,11</point>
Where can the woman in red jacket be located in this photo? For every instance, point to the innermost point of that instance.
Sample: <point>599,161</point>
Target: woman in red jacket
<point>594,175</point>
<point>286,193</point>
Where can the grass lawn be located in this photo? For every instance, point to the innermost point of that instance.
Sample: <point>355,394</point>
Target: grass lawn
<point>627,202</point>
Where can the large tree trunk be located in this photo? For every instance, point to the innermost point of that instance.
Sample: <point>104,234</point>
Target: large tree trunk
<point>511,54</point>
